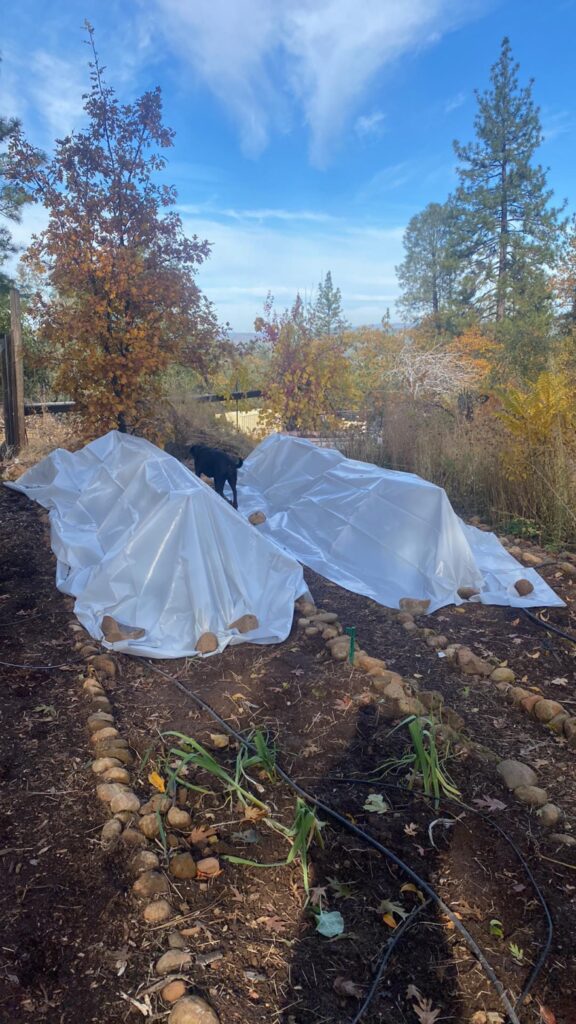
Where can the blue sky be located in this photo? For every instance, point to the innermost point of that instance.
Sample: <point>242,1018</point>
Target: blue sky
<point>308,131</point>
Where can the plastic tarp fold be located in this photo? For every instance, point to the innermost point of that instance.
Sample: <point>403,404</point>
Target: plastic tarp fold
<point>377,532</point>
<point>138,537</point>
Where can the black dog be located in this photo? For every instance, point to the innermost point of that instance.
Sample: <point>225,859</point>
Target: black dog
<point>218,466</point>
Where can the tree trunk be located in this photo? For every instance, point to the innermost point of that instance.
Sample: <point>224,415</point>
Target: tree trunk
<point>503,248</point>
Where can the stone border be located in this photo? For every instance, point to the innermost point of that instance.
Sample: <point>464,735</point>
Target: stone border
<point>400,697</point>
<point>136,824</point>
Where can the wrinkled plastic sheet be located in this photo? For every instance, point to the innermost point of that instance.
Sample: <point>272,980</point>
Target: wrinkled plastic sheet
<point>138,537</point>
<point>379,533</point>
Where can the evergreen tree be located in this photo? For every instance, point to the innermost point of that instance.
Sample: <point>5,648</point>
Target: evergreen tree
<point>326,317</point>
<point>11,197</point>
<point>505,221</point>
<point>430,275</point>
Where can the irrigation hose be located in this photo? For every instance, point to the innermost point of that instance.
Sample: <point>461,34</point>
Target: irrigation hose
<point>389,949</point>
<point>548,625</point>
<point>341,780</point>
<point>364,837</point>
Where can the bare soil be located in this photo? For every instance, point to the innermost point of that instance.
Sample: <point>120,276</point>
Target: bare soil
<point>72,944</point>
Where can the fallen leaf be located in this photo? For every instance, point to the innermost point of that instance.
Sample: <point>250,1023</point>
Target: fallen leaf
<point>157,781</point>
<point>376,804</point>
<point>271,924</point>
<point>425,1012</point>
<point>410,887</point>
<point>390,921</point>
<point>345,987</point>
<point>219,740</point>
<point>330,923</point>
<point>343,704</point>
<point>490,802</point>
<point>200,835</point>
<point>411,829</point>
<point>254,813</point>
<point>317,894</point>
<point>546,1015</point>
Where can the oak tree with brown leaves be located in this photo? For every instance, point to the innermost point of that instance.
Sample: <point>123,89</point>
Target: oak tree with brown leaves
<point>119,301</point>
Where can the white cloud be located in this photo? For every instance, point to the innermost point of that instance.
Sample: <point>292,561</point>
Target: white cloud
<point>455,102</point>
<point>249,259</point>
<point>370,124</point>
<point>557,123</point>
<point>262,58</point>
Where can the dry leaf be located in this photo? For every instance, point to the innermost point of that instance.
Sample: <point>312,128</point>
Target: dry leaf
<point>411,829</point>
<point>546,1015</point>
<point>390,920</point>
<point>490,802</point>
<point>200,835</point>
<point>345,987</point>
<point>271,924</point>
<point>254,813</point>
<point>157,781</point>
<point>219,740</point>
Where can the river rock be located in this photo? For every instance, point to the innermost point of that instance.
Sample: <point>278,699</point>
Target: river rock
<point>403,617</point>
<point>410,626</point>
<point>103,764</point>
<point>123,802</point>
<point>146,860</point>
<point>381,679</point>
<point>110,831</point>
<point>466,593</point>
<point>100,720</point>
<point>149,826</point>
<point>102,703</point>
<point>106,791</point>
<point>158,912</point>
<point>183,866</point>
<point>173,990</point>
<point>132,837</point>
<point>570,731</point>
<point>534,796</point>
<point>151,883</point>
<point>104,665</point>
<point>327,617</point>
<point>562,839</point>
<point>546,710</point>
<point>192,1010</point>
<point>414,605</point>
<point>117,775</point>
<point>368,664</point>
<point>302,622</point>
<point>531,560</point>
<point>256,518</point>
<point>523,587</point>
<point>330,633</point>
<point>179,819</point>
<point>471,664</point>
<point>207,643</point>
<point>158,802</point>
<point>176,940</point>
<point>432,700</point>
<point>311,631</point>
<point>173,960</point>
<point>568,569</point>
<point>502,675</point>
<point>245,624</point>
<point>437,643</point>
<point>101,735</point>
<point>516,694</point>
<point>121,754</point>
<point>550,815</point>
<point>529,702</point>
<point>515,773</point>
<point>556,724</point>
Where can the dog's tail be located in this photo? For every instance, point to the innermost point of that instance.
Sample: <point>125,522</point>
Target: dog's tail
<point>239,462</point>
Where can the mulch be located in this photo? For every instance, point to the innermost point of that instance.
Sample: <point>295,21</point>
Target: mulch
<point>72,941</point>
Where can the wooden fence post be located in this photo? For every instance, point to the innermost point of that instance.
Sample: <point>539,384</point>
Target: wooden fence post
<point>13,376</point>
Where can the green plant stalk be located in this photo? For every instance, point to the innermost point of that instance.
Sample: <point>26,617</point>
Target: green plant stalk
<point>202,759</point>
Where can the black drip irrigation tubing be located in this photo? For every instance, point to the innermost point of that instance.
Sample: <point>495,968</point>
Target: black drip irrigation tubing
<point>44,668</point>
<point>548,625</point>
<point>365,837</point>
<point>376,783</point>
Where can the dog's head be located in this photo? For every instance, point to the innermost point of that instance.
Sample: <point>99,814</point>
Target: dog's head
<point>195,450</point>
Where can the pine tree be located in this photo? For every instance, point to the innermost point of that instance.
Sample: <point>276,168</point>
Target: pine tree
<point>326,317</point>
<point>505,218</point>
<point>430,275</point>
<point>11,197</point>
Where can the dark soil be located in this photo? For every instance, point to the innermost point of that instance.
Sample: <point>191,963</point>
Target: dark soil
<point>73,947</point>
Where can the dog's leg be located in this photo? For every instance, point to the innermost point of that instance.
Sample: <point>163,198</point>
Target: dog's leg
<point>219,482</point>
<point>232,478</point>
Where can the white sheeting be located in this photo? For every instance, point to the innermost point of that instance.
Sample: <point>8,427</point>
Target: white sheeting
<point>376,532</point>
<point>137,536</point>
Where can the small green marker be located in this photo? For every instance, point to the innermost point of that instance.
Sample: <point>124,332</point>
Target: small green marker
<point>351,632</point>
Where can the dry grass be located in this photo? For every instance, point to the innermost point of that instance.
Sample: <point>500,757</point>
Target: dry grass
<point>193,422</point>
<point>45,432</point>
<point>469,459</point>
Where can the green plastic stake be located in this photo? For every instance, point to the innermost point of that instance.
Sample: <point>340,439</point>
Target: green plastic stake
<point>351,631</point>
